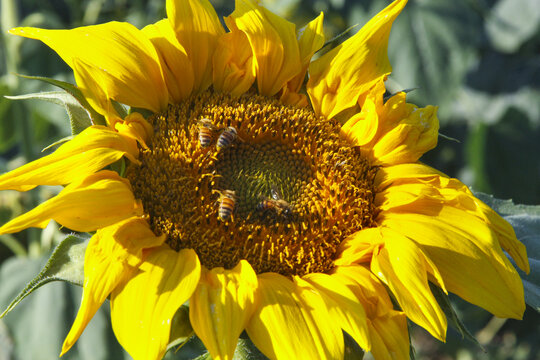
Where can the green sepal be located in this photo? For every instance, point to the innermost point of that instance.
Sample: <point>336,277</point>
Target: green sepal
<point>453,319</point>
<point>192,349</point>
<point>58,142</point>
<point>120,109</point>
<point>353,351</point>
<point>74,91</point>
<point>388,95</point>
<point>525,219</point>
<point>205,356</point>
<point>119,167</point>
<point>412,350</point>
<point>336,40</point>
<point>446,137</point>
<point>65,264</point>
<point>144,112</point>
<point>181,330</point>
<point>246,350</point>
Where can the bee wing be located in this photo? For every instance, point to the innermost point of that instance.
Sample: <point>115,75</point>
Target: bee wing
<point>207,123</point>
<point>275,193</point>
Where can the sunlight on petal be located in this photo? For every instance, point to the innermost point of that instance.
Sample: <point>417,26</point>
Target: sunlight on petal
<point>142,308</point>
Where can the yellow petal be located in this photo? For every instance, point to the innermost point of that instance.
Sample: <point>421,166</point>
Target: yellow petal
<point>136,127</point>
<point>387,327</point>
<point>458,195</point>
<point>341,76</point>
<point>90,151</point>
<point>142,307</point>
<point>197,29</point>
<point>406,173</point>
<point>390,337</point>
<point>403,267</point>
<point>415,134</point>
<point>96,201</point>
<point>221,307</point>
<point>292,98</point>
<point>174,60</point>
<point>107,260</point>
<point>233,62</point>
<point>310,41</point>
<point>404,196</point>
<point>421,180</point>
<point>90,80</point>
<point>118,54</point>
<point>466,254</point>
<point>343,306</point>
<point>274,45</point>
<point>358,247</point>
<point>291,322</point>
<point>362,127</point>
<point>394,132</point>
<point>506,236</point>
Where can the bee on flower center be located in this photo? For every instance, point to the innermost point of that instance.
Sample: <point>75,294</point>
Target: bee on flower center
<point>226,138</point>
<point>227,202</point>
<point>207,131</point>
<point>276,203</point>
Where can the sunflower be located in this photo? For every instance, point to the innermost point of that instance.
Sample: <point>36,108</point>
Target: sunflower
<point>293,210</point>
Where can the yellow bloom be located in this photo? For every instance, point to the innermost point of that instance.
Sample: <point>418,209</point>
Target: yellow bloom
<point>250,200</point>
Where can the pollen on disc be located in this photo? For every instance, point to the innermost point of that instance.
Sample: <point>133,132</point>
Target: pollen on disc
<point>248,178</point>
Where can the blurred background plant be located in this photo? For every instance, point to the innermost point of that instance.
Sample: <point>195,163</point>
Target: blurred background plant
<point>478,60</point>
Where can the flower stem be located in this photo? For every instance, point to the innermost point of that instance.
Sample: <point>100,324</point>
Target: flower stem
<point>476,156</point>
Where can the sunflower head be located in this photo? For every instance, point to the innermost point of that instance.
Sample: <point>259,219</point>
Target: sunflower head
<point>294,210</point>
<point>259,180</point>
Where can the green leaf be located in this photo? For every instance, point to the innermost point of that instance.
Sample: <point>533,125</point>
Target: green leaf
<point>38,326</point>
<point>6,343</point>
<point>78,116</point>
<point>510,23</point>
<point>526,222</point>
<point>96,118</point>
<point>66,263</point>
<point>504,85</point>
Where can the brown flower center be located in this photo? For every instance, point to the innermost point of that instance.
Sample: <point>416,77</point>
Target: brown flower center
<point>249,178</point>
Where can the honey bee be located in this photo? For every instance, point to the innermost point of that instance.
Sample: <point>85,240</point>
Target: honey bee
<point>227,201</point>
<point>276,203</point>
<point>226,138</point>
<point>206,132</point>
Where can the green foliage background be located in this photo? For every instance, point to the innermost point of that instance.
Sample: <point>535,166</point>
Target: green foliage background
<point>478,60</point>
